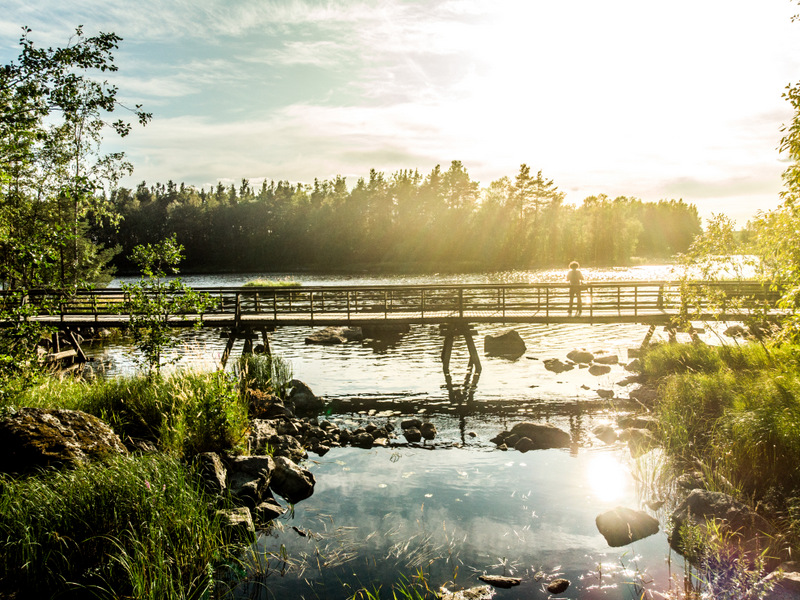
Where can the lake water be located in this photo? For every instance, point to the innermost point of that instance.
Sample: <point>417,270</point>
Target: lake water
<point>462,508</point>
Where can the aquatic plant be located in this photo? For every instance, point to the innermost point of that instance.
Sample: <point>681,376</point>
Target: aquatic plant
<point>270,283</point>
<point>264,372</point>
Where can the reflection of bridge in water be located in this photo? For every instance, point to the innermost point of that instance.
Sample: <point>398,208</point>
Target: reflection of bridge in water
<point>245,312</point>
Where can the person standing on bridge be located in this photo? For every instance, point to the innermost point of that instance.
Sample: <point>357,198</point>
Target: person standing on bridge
<point>575,279</point>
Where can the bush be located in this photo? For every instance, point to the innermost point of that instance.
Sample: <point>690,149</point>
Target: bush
<point>131,527</point>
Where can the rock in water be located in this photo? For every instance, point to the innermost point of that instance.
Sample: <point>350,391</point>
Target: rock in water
<point>621,526</point>
<point>32,438</point>
<point>558,586</point>
<point>500,581</point>
<point>290,481</point>
<point>580,356</point>
<point>542,435</point>
<point>507,343</point>
<point>556,366</point>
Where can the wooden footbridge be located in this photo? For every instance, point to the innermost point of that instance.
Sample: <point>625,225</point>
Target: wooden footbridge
<point>245,312</point>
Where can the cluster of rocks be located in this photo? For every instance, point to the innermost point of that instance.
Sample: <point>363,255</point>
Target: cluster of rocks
<point>596,364</point>
<point>330,336</point>
<point>250,482</point>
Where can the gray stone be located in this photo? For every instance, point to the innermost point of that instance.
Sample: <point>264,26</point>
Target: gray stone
<point>729,515</point>
<point>262,435</point>
<point>362,440</point>
<point>33,438</point>
<point>580,356</point>
<point>213,472</point>
<point>482,592</point>
<point>268,510</point>
<point>291,481</point>
<point>606,359</point>
<point>634,366</point>
<point>556,366</point>
<point>303,398</point>
<point>621,526</point>
<point>638,422</point>
<point>606,433</point>
<point>428,431</point>
<point>237,523</point>
<point>784,582</point>
<point>249,478</point>
<point>543,435</point>
<point>412,434</point>
<point>500,581</point>
<point>411,424</point>
<point>327,337</point>
<point>640,441</point>
<point>599,369</point>
<point>645,395</point>
<point>606,394</point>
<point>558,586</point>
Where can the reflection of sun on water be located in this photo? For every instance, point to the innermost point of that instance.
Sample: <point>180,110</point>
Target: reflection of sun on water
<point>607,477</point>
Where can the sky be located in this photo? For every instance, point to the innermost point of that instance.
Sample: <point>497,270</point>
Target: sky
<point>653,100</point>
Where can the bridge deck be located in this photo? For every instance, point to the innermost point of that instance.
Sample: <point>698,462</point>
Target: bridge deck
<point>608,302</point>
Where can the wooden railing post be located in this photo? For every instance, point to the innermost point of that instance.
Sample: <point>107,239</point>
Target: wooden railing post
<point>461,302</point>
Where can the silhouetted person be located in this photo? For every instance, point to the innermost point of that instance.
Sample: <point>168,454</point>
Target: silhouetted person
<point>575,279</point>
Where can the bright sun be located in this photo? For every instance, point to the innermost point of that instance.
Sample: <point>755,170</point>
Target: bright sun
<point>607,477</point>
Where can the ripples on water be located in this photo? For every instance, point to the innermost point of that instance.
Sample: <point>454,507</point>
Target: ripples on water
<point>453,512</point>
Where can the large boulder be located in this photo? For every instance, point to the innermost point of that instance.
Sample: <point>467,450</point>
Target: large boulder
<point>751,532</point>
<point>508,343</point>
<point>622,526</point>
<point>302,398</point>
<point>249,478</point>
<point>263,435</point>
<point>291,481</point>
<point>32,438</point>
<point>541,436</point>
<point>237,524</point>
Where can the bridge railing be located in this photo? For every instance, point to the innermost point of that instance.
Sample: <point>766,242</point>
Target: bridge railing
<point>493,301</point>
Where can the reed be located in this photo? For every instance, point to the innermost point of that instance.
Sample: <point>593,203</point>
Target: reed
<point>129,527</point>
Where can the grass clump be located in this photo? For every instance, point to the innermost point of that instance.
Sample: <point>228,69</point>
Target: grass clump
<point>129,527</point>
<point>183,414</point>
<point>264,372</point>
<point>735,410</point>
<point>271,283</point>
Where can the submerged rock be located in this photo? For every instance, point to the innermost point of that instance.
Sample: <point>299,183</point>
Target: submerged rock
<point>621,526</point>
<point>500,581</point>
<point>32,438</point>
<point>599,369</point>
<point>483,592</point>
<point>557,366</point>
<point>558,586</point>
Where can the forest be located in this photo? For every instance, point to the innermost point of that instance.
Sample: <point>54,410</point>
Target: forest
<point>404,222</point>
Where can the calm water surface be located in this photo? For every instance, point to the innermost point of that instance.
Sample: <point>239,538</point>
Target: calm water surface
<point>463,508</point>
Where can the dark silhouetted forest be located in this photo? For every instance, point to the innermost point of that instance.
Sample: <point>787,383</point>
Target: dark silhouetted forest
<point>406,221</point>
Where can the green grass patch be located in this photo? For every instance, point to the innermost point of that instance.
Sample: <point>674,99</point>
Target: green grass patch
<point>270,283</point>
<point>183,414</point>
<point>736,410</point>
<point>130,527</point>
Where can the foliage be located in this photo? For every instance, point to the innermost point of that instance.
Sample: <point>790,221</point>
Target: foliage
<point>135,527</point>
<point>153,301</point>
<point>441,221</point>
<point>269,283</point>
<point>184,414</point>
<point>53,179</point>
<point>264,372</point>
<point>735,409</point>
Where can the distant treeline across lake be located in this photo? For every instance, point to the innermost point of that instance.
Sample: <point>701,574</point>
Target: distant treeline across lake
<point>443,220</point>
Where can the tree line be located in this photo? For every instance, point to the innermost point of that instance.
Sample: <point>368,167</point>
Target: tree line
<point>440,221</point>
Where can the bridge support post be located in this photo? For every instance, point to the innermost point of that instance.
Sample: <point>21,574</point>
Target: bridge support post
<point>450,331</point>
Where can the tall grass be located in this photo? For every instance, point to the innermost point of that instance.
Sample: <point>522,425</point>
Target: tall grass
<point>736,410</point>
<point>186,413</point>
<point>130,527</point>
<point>264,372</point>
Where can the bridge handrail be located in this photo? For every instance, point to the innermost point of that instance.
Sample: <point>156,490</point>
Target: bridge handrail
<point>454,300</point>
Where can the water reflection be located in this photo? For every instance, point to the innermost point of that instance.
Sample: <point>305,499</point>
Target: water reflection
<point>457,514</point>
